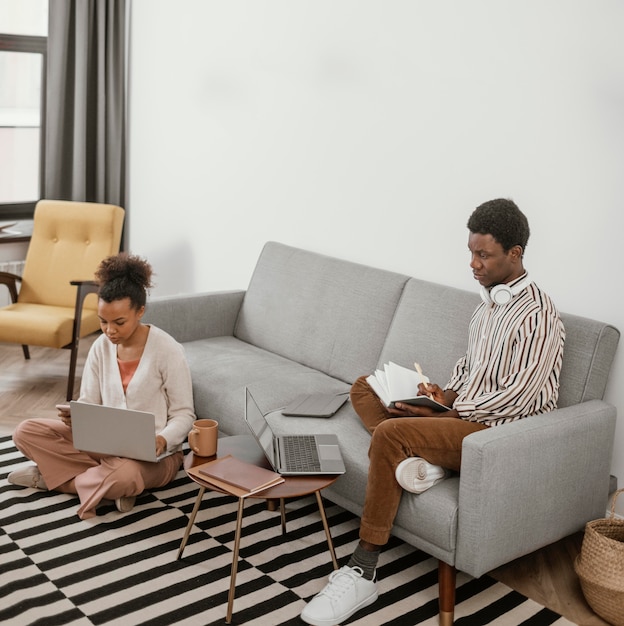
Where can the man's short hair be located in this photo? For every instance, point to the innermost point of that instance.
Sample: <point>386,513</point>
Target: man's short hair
<point>502,219</point>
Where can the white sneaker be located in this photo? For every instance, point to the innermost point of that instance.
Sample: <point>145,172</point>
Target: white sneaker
<point>417,475</point>
<point>345,593</point>
<point>28,476</point>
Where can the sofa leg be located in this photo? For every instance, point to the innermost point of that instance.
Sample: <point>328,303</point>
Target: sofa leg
<point>447,575</point>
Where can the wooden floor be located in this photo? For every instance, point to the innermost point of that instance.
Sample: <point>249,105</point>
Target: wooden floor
<point>32,388</point>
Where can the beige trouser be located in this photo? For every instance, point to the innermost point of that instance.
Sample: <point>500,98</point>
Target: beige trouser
<point>435,439</point>
<point>49,443</point>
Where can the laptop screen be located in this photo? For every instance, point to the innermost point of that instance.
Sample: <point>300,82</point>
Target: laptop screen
<point>259,427</point>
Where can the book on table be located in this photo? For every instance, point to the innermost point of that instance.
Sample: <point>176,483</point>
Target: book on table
<point>395,383</point>
<point>236,477</point>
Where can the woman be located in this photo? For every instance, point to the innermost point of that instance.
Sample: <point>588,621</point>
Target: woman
<point>131,365</point>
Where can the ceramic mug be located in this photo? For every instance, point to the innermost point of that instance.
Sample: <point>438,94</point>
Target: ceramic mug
<point>203,437</point>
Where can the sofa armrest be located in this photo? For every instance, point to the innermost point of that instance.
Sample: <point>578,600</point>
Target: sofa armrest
<point>196,316</point>
<point>530,483</point>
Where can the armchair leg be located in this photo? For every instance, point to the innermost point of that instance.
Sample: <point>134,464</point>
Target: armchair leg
<point>73,358</point>
<point>11,280</point>
<point>84,288</point>
<point>447,576</point>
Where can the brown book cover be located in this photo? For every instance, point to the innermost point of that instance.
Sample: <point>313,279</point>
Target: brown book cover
<point>237,477</point>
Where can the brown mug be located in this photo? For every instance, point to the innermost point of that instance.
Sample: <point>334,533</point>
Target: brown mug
<point>203,437</point>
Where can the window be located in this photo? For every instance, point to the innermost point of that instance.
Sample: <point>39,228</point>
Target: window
<point>23,46</point>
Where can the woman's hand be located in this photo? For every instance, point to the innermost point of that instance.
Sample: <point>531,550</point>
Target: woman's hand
<point>64,413</point>
<point>161,445</point>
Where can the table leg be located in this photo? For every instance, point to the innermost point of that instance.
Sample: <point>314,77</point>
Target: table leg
<point>237,536</point>
<point>330,543</point>
<point>283,515</point>
<point>187,532</point>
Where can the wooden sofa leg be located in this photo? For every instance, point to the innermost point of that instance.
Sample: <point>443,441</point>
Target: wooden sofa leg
<point>447,575</point>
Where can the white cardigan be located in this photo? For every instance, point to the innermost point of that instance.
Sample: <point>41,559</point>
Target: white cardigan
<point>161,384</point>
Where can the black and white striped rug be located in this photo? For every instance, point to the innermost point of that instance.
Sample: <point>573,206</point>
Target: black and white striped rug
<point>122,568</point>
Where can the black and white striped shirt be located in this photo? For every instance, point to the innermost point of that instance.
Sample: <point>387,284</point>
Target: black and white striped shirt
<point>512,365</point>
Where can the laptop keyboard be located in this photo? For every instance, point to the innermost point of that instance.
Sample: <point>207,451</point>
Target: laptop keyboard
<point>301,453</point>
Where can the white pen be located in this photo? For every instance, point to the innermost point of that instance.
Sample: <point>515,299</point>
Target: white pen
<point>419,370</point>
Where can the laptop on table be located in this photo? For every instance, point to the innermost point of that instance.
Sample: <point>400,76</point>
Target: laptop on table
<point>293,455</point>
<point>115,432</point>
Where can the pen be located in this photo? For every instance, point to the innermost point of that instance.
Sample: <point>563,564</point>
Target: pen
<point>426,384</point>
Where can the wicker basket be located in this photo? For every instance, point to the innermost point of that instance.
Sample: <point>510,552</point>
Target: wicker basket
<point>600,566</point>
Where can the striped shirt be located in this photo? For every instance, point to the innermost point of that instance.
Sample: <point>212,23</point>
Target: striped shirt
<point>512,365</point>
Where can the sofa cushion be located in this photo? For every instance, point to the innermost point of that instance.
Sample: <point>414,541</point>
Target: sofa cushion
<point>431,327</point>
<point>317,310</point>
<point>221,368</point>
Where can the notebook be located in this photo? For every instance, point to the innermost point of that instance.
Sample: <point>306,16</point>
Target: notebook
<point>116,432</point>
<point>292,455</point>
<point>316,404</point>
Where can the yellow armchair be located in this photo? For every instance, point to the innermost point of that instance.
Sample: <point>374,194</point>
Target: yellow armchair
<point>56,304</point>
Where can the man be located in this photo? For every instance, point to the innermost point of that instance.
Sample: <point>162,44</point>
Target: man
<point>510,371</point>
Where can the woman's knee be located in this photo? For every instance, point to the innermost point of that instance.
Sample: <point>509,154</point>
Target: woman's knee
<point>26,430</point>
<point>18,434</point>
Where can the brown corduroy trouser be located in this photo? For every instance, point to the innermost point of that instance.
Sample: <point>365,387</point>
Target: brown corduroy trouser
<point>435,439</point>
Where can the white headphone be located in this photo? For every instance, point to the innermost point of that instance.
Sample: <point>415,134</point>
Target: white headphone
<point>503,293</point>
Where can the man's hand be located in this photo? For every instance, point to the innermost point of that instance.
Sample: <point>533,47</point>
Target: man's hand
<point>161,445</point>
<point>401,409</point>
<point>435,392</point>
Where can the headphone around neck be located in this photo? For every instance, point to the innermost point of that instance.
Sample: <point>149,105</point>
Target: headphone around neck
<point>503,293</point>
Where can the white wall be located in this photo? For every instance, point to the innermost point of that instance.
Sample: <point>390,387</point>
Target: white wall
<point>370,129</point>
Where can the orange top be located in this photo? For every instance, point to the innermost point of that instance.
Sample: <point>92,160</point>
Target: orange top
<point>127,369</point>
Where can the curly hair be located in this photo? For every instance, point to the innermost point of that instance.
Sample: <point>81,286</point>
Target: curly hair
<point>502,219</point>
<point>124,276</point>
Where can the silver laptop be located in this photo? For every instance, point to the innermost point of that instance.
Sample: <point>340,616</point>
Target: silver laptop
<point>115,432</point>
<point>316,404</point>
<point>292,455</point>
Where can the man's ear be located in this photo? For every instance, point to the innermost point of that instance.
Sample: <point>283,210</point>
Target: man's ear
<point>516,253</point>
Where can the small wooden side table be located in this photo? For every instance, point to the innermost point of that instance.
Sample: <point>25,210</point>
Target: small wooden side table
<point>245,448</point>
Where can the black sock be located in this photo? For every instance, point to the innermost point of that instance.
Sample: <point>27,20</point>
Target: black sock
<point>365,560</point>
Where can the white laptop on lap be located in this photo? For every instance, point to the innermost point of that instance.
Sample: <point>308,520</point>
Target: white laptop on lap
<point>293,455</point>
<point>115,432</point>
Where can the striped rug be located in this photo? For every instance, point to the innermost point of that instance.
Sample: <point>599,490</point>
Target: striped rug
<point>121,569</point>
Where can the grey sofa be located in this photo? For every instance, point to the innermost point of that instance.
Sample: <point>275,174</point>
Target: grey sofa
<point>309,322</point>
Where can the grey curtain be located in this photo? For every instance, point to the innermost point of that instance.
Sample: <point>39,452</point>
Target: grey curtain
<point>86,101</point>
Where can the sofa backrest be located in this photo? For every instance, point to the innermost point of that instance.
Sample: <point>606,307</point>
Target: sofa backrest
<point>326,313</point>
<point>431,327</point>
<point>587,357</point>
